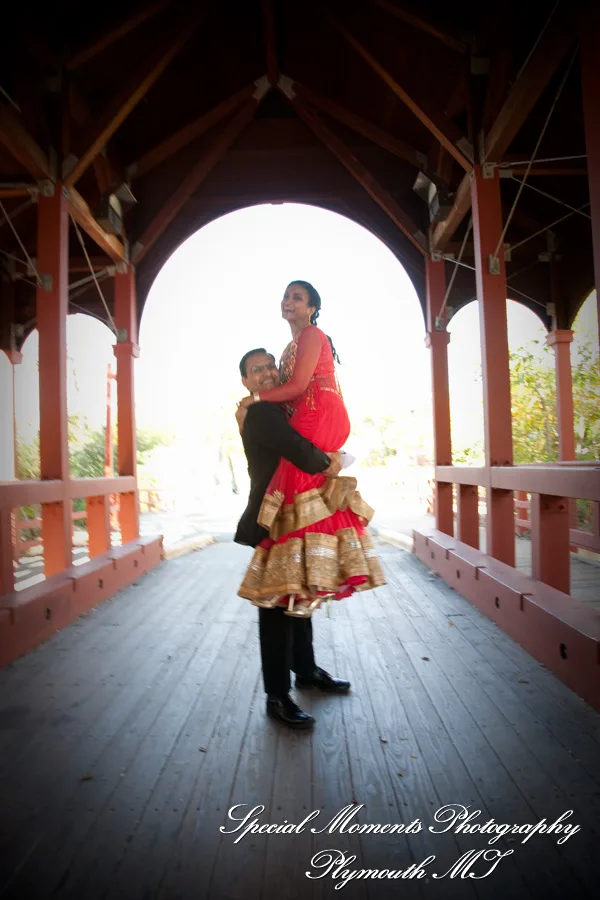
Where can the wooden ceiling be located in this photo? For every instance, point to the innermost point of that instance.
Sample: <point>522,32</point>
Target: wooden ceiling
<point>194,109</point>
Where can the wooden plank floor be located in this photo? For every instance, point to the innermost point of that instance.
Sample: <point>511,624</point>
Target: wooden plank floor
<point>125,740</point>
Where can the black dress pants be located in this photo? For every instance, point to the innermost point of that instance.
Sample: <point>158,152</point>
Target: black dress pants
<point>286,642</point>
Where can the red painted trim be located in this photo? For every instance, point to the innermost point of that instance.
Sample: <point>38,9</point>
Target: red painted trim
<point>560,632</point>
<point>31,616</point>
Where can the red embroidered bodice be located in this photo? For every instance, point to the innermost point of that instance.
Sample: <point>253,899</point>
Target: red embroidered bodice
<point>306,368</point>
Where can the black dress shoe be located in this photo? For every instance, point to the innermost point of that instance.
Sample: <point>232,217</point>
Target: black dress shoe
<point>285,710</point>
<point>324,681</point>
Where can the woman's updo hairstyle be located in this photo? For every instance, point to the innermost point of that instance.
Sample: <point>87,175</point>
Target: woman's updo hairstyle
<point>314,299</point>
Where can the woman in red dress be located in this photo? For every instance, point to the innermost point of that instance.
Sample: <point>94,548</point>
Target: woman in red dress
<point>318,547</point>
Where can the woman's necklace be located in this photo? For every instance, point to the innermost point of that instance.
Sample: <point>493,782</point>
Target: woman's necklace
<point>298,333</point>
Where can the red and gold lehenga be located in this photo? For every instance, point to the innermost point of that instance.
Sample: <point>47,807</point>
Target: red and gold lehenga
<point>318,547</point>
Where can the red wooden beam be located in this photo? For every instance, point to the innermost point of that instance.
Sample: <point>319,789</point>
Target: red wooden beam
<point>270,41</point>
<point>553,46</point>
<point>361,126</point>
<point>576,483</point>
<point>199,172</point>
<point>555,43</point>
<point>439,162</point>
<point>126,351</point>
<point>82,214</point>
<point>437,340</point>
<point>108,172</point>
<point>383,199</point>
<point>80,264</point>
<point>442,35</point>
<point>28,493</point>
<point>491,296</point>
<point>472,475</point>
<point>108,38</point>
<point>445,230</point>
<point>30,154</point>
<point>442,128</point>
<point>188,133</point>
<point>116,113</point>
<point>51,320</point>
<point>15,192</point>
<point>17,140</point>
<point>100,487</point>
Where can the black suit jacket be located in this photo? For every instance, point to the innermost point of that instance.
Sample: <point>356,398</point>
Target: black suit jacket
<point>267,435</point>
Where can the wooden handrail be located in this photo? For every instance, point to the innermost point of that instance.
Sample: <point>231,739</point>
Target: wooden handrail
<point>28,493</point>
<point>581,482</point>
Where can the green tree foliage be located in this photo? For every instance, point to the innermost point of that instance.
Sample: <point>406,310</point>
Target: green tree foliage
<point>28,459</point>
<point>469,456</point>
<point>385,435</point>
<point>533,390</point>
<point>86,450</point>
<point>586,400</point>
<point>533,400</point>
<point>87,454</point>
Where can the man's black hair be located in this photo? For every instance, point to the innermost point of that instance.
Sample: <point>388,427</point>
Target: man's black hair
<point>246,356</point>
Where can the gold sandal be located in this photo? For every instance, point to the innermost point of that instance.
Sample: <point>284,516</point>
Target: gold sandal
<point>328,598</point>
<point>302,612</point>
<point>266,604</point>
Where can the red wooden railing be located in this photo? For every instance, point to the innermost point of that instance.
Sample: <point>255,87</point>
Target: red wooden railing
<point>151,500</point>
<point>17,494</point>
<point>554,489</point>
<point>581,538</point>
<point>586,539</point>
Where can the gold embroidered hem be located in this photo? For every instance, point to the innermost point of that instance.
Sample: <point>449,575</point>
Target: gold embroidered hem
<point>312,563</point>
<point>311,507</point>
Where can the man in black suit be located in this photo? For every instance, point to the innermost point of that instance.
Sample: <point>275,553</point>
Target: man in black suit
<point>285,642</point>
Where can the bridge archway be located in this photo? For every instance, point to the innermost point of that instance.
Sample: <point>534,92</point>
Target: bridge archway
<point>218,295</point>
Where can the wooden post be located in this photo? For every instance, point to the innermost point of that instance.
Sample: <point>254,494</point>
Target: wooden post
<point>16,359</point>
<point>491,294</point>
<point>467,514</point>
<point>7,577</point>
<point>522,512</point>
<point>98,524</point>
<point>561,340</point>
<point>98,508</point>
<point>126,350</point>
<point>108,449</point>
<point>51,311</point>
<point>7,430</point>
<point>589,38</point>
<point>437,340</point>
<point>550,562</point>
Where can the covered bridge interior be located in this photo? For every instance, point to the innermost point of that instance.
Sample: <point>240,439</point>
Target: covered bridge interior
<point>466,136</point>
<point>467,145</point>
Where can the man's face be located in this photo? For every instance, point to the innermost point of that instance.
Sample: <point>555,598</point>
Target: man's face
<point>262,375</point>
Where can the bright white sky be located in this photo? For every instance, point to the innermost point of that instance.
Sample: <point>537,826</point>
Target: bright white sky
<point>219,296</point>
